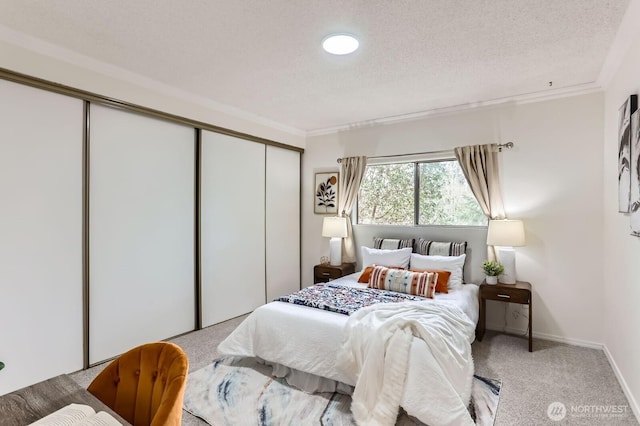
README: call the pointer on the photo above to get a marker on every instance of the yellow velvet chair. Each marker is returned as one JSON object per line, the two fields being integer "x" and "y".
{"x": 145, "y": 385}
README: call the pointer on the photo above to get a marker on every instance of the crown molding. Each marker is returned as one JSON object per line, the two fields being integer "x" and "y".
{"x": 546, "y": 95}
{"x": 628, "y": 31}
{"x": 63, "y": 54}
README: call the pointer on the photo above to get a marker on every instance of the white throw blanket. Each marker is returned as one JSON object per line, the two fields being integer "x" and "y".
{"x": 377, "y": 346}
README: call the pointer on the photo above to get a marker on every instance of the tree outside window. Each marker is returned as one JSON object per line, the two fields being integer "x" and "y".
{"x": 387, "y": 195}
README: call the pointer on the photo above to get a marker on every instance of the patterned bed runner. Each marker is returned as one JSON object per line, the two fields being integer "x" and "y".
{"x": 344, "y": 300}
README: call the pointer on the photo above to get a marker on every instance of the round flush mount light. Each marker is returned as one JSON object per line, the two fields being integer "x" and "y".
{"x": 340, "y": 44}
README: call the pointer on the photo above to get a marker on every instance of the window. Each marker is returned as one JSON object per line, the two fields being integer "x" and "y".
{"x": 389, "y": 193}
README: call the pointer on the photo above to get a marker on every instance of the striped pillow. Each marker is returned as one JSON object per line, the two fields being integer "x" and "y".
{"x": 392, "y": 244}
{"x": 437, "y": 248}
{"x": 403, "y": 281}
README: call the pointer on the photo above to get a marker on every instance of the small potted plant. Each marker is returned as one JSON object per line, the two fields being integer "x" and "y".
{"x": 492, "y": 269}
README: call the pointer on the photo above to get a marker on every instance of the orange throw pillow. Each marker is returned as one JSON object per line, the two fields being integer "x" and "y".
{"x": 443, "y": 279}
{"x": 366, "y": 274}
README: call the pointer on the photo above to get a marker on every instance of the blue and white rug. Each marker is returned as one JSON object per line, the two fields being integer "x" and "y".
{"x": 241, "y": 391}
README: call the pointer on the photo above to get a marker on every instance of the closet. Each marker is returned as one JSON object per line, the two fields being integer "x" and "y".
{"x": 282, "y": 224}
{"x": 121, "y": 225}
{"x": 40, "y": 235}
{"x": 141, "y": 230}
{"x": 232, "y": 194}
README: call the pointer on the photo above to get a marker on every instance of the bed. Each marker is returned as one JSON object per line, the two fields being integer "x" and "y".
{"x": 304, "y": 345}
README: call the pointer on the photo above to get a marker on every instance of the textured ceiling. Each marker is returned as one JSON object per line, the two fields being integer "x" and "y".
{"x": 264, "y": 57}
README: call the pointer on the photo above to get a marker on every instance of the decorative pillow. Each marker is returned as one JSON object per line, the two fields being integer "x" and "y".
{"x": 438, "y": 248}
{"x": 442, "y": 277}
{"x": 398, "y": 258}
{"x": 403, "y": 281}
{"x": 453, "y": 264}
{"x": 442, "y": 280}
{"x": 391, "y": 244}
{"x": 366, "y": 273}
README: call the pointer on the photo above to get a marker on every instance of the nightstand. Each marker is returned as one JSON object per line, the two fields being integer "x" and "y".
{"x": 325, "y": 273}
{"x": 520, "y": 292}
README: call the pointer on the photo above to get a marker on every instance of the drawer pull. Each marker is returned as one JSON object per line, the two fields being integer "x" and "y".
{"x": 504, "y": 296}
{"x": 326, "y": 274}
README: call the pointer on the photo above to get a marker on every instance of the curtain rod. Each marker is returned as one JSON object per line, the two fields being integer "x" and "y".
{"x": 501, "y": 146}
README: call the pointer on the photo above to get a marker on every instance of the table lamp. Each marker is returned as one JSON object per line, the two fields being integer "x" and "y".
{"x": 506, "y": 234}
{"x": 336, "y": 229}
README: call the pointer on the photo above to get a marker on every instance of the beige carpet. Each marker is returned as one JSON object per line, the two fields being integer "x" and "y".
{"x": 553, "y": 372}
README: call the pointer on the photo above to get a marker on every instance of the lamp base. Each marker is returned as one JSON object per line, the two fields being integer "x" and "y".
{"x": 335, "y": 251}
{"x": 507, "y": 256}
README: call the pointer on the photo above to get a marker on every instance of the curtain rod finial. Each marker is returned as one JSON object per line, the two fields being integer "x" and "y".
{"x": 507, "y": 145}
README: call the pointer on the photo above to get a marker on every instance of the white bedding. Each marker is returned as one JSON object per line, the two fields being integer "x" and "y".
{"x": 309, "y": 339}
{"x": 406, "y": 354}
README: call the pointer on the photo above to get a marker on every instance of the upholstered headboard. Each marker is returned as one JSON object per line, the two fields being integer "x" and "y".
{"x": 475, "y": 236}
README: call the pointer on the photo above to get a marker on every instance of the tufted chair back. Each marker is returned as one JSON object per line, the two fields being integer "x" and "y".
{"x": 145, "y": 385}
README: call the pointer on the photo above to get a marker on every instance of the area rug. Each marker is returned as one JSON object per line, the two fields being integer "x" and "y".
{"x": 236, "y": 391}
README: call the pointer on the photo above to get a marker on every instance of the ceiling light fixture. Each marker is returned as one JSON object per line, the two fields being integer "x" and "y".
{"x": 340, "y": 44}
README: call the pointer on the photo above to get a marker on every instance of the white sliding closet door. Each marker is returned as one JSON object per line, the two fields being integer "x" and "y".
{"x": 232, "y": 227}
{"x": 40, "y": 235}
{"x": 141, "y": 231}
{"x": 283, "y": 222}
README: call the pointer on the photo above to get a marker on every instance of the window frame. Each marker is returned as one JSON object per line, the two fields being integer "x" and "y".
{"x": 416, "y": 191}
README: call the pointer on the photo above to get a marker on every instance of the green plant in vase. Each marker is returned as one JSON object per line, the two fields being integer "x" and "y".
{"x": 492, "y": 269}
{"x": 1, "y": 365}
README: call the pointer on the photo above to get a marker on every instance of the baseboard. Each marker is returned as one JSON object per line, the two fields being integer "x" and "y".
{"x": 545, "y": 336}
{"x": 623, "y": 383}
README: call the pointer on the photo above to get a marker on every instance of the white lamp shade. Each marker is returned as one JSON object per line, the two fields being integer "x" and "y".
{"x": 334, "y": 227}
{"x": 505, "y": 233}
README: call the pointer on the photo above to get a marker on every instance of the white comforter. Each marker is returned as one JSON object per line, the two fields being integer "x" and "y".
{"x": 377, "y": 344}
{"x": 308, "y": 340}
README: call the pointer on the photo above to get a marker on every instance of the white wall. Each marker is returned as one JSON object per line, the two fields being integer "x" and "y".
{"x": 621, "y": 287}
{"x": 28, "y": 55}
{"x": 552, "y": 180}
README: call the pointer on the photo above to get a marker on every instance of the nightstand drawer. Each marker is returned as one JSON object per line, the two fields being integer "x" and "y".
{"x": 328, "y": 273}
{"x": 504, "y": 294}
{"x": 325, "y": 273}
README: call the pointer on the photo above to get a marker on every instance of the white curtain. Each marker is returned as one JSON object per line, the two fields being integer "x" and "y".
{"x": 480, "y": 166}
{"x": 351, "y": 173}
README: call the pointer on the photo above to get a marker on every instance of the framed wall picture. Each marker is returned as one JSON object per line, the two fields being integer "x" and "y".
{"x": 624, "y": 152}
{"x": 325, "y": 198}
{"x": 634, "y": 203}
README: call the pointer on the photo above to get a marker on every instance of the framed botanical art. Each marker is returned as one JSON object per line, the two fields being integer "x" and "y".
{"x": 624, "y": 152}
{"x": 325, "y": 198}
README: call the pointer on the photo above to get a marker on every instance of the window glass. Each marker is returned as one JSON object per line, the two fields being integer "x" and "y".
{"x": 445, "y": 196}
{"x": 387, "y": 195}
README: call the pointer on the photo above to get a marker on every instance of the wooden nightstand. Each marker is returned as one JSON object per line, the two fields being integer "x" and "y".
{"x": 326, "y": 273}
{"x": 520, "y": 292}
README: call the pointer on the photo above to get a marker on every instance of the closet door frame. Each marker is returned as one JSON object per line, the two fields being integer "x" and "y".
{"x": 280, "y": 263}
{"x": 229, "y": 220}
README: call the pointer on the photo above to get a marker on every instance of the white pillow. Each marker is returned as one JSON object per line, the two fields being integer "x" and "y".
{"x": 453, "y": 264}
{"x": 396, "y": 258}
